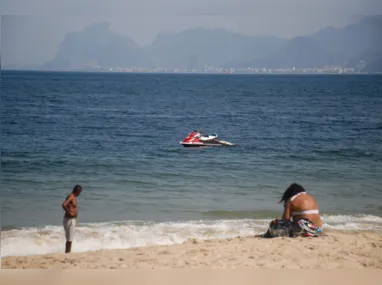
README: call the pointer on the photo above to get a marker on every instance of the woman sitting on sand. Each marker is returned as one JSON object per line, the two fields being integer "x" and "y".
{"x": 302, "y": 209}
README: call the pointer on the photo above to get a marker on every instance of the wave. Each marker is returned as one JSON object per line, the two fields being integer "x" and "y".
{"x": 223, "y": 214}
{"x": 129, "y": 234}
{"x": 353, "y": 223}
{"x": 346, "y": 152}
{"x": 113, "y": 235}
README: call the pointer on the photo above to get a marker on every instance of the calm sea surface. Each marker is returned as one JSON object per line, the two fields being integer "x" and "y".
{"x": 118, "y": 136}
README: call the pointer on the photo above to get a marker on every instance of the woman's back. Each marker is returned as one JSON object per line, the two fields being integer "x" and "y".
{"x": 305, "y": 206}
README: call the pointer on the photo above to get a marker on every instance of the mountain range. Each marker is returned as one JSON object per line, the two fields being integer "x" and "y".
{"x": 349, "y": 46}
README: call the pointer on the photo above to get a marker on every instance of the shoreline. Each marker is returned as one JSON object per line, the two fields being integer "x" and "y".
{"x": 50, "y": 239}
{"x": 190, "y": 72}
{"x": 337, "y": 250}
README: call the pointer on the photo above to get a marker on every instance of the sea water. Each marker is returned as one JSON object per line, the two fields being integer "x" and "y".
{"x": 118, "y": 136}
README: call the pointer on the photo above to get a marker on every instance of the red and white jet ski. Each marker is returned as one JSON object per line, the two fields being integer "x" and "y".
{"x": 200, "y": 139}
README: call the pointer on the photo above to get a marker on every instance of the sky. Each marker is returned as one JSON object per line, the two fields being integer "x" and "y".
{"x": 32, "y": 30}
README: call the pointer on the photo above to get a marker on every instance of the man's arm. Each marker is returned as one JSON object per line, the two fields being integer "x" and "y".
{"x": 67, "y": 202}
{"x": 287, "y": 209}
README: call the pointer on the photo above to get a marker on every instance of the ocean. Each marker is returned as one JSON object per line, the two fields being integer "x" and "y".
{"x": 118, "y": 135}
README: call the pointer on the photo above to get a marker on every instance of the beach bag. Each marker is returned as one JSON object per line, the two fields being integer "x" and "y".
{"x": 307, "y": 229}
{"x": 279, "y": 228}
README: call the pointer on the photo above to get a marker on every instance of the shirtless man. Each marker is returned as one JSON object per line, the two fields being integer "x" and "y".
{"x": 70, "y": 218}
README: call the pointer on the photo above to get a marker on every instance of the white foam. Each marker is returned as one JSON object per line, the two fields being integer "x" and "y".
{"x": 358, "y": 219}
{"x": 114, "y": 235}
{"x": 352, "y": 223}
{"x": 50, "y": 239}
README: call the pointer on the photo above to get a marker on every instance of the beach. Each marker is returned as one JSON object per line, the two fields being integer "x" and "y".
{"x": 337, "y": 250}
{"x": 165, "y": 214}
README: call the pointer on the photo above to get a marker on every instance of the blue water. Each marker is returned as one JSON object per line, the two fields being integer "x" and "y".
{"x": 118, "y": 136}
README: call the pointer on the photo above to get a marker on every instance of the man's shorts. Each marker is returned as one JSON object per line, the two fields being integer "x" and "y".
{"x": 69, "y": 227}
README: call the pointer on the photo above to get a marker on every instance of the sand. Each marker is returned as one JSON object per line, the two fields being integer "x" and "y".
{"x": 191, "y": 276}
{"x": 335, "y": 251}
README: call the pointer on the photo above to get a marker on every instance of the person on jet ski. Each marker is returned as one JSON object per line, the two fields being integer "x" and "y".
{"x": 205, "y": 137}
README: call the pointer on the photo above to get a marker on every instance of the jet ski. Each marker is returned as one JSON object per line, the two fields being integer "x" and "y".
{"x": 200, "y": 139}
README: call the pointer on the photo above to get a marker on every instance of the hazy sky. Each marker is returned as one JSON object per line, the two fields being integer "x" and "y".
{"x": 31, "y": 30}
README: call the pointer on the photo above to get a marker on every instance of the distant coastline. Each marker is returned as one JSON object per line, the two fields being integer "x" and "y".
{"x": 185, "y": 71}
{"x": 354, "y": 49}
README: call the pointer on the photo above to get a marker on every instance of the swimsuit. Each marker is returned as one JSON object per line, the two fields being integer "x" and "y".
{"x": 307, "y": 227}
{"x": 306, "y": 212}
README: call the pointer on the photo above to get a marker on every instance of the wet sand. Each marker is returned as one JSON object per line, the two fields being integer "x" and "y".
{"x": 335, "y": 251}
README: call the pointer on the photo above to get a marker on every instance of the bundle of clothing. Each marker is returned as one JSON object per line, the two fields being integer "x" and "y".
{"x": 285, "y": 228}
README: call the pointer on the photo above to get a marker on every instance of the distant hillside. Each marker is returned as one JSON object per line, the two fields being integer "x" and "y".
{"x": 364, "y": 59}
{"x": 301, "y": 52}
{"x": 195, "y": 48}
{"x": 350, "y": 41}
{"x": 375, "y": 66}
{"x": 97, "y": 45}
{"x": 331, "y": 46}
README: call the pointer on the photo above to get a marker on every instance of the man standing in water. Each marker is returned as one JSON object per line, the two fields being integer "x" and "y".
{"x": 70, "y": 218}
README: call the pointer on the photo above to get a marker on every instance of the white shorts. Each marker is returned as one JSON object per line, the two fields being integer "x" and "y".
{"x": 69, "y": 227}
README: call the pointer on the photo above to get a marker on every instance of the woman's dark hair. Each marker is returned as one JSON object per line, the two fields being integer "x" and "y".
{"x": 292, "y": 190}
